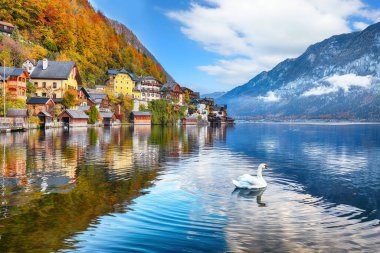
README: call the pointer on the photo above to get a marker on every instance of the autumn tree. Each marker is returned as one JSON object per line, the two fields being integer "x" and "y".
{"x": 70, "y": 99}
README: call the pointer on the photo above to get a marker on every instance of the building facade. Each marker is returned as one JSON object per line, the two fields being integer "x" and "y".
{"x": 53, "y": 78}
{"x": 36, "y": 105}
{"x": 6, "y": 28}
{"x": 15, "y": 81}
{"x": 149, "y": 88}
{"x": 120, "y": 82}
{"x": 173, "y": 92}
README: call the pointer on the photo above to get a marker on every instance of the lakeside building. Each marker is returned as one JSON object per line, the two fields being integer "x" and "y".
{"x": 15, "y": 81}
{"x": 90, "y": 97}
{"x": 73, "y": 118}
{"x": 149, "y": 88}
{"x": 120, "y": 82}
{"x": 35, "y": 105}
{"x": 141, "y": 118}
{"x": 53, "y": 78}
{"x": 172, "y": 91}
{"x": 6, "y": 28}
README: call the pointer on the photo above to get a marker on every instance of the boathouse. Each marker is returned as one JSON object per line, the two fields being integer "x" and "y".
{"x": 141, "y": 118}
{"x": 190, "y": 121}
{"x": 108, "y": 118}
{"x": 46, "y": 119}
{"x": 73, "y": 118}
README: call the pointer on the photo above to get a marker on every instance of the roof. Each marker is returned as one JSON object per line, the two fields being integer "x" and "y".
{"x": 169, "y": 86}
{"x": 56, "y": 70}
{"x": 6, "y": 23}
{"x": 11, "y": 71}
{"x": 106, "y": 114}
{"x": 122, "y": 71}
{"x": 16, "y": 112}
{"x": 76, "y": 114}
{"x": 136, "y": 113}
{"x": 34, "y": 62}
{"x": 57, "y": 100}
{"x": 45, "y": 113}
{"x": 191, "y": 118}
{"x": 98, "y": 95}
{"x": 83, "y": 107}
{"x": 37, "y": 100}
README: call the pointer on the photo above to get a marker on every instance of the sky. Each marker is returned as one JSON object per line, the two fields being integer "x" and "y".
{"x": 216, "y": 45}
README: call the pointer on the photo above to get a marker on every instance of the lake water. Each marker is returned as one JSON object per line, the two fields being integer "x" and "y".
{"x": 153, "y": 189}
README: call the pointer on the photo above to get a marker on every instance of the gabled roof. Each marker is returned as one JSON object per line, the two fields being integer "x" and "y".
{"x": 83, "y": 108}
{"x": 122, "y": 71}
{"x": 136, "y": 113}
{"x": 76, "y": 114}
{"x": 106, "y": 115}
{"x": 17, "y": 113}
{"x": 38, "y": 100}
{"x": 11, "y": 72}
{"x": 45, "y": 113}
{"x": 6, "y": 23}
{"x": 169, "y": 86}
{"x": 56, "y": 70}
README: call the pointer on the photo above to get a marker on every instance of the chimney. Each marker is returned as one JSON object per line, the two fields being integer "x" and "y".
{"x": 45, "y": 63}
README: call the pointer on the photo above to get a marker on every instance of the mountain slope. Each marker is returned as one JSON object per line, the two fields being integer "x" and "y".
{"x": 337, "y": 78}
{"x": 72, "y": 30}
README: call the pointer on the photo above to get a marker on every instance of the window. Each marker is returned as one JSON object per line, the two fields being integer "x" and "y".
{"x": 36, "y": 84}
{"x": 54, "y": 95}
{"x": 54, "y": 85}
{"x": 44, "y": 94}
{"x": 44, "y": 85}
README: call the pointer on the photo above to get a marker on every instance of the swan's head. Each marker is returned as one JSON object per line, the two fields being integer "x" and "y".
{"x": 263, "y": 166}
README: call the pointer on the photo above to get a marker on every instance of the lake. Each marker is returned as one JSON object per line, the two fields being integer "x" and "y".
{"x": 154, "y": 189}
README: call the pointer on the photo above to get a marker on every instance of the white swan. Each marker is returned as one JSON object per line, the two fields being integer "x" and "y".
{"x": 251, "y": 182}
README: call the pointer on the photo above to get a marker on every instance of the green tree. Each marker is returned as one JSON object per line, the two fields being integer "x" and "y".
{"x": 93, "y": 115}
{"x": 30, "y": 89}
{"x": 187, "y": 97}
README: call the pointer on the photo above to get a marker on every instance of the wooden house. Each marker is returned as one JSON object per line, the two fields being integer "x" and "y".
{"x": 15, "y": 81}
{"x": 173, "y": 92}
{"x": 6, "y": 28}
{"x": 53, "y": 78}
{"x": 141, "y": 118}
{"x": 108, "y": 118}
{"x": 46, "y": 119}
{"x": 38, "y": 104}
{"x": 73, "y": 118}
{"x": 190, "y": 121}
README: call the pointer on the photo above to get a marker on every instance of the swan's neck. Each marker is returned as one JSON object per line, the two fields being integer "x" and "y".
{"x": 260, "y": 173}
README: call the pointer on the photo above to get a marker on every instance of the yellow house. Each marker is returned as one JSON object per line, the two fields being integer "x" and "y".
{"x": 53, "y": 78}
{"x": 121, "y": 82}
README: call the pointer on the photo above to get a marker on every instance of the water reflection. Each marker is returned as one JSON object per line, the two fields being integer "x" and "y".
{"x": 160, "y": 189}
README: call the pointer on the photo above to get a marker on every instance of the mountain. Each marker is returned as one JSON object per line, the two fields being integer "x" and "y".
{"x": 338, "y": 78}
{"x": 73, "y": 30}
{"x": 213, "y": 95}
{"x": 135, "y": 42}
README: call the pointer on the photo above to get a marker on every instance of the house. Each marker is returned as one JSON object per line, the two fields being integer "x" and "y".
{"x": 192, "y": 94}
{"x": 141, "y": 118}
{"x": 19, "y": 116}
{"x": 15, "y": 81}
{"x": 6, "y": 28}
{"x": 149, "y": 88}
{"x": 108, "y": 118}
{"x": 172, "y": 91}
{"x": 38, "y": 104}
{"x": 120, "y": 82}
{"x": 29, "y": 65}
{"x": 190, "y": 121}
{"x": 73, "y": 118}
{"x": 53, "y": 78}
{"x": 90, "y": 97}
{"x": 46, "y": 119}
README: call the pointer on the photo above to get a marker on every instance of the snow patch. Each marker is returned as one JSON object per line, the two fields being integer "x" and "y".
{"x": 270, "y": 97}
{"x": 344, "y": 82}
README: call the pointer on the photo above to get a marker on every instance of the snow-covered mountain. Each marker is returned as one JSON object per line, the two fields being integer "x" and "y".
{"x": 338, "y": 78}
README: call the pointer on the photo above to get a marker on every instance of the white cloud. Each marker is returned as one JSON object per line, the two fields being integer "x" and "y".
{"x": 344, "y": 82}
{"x": 360, "y": 25}
{"x": 255, "y": 35}
{"x": 270, "y": 97}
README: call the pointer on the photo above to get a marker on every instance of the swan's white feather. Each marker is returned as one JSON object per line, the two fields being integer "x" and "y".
{"x": 250, "y": 182}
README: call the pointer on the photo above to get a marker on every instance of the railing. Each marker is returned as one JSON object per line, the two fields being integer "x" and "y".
{"x": 12, "y": 123}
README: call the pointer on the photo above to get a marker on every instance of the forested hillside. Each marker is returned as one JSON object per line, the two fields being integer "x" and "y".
{"x": 70, "y": 30}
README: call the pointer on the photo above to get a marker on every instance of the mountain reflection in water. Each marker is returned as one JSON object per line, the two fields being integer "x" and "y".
{"x": 143, "y": 188}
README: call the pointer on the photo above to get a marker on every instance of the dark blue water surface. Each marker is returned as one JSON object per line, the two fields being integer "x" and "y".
{"x": 154, "y": 189}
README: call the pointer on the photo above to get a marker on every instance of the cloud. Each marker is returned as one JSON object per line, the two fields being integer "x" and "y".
{"x": 360, "y": 25}
{"x": 255, "y": 35}
{"x": 344, "y": 82}
{"x": 270, "y": 97}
